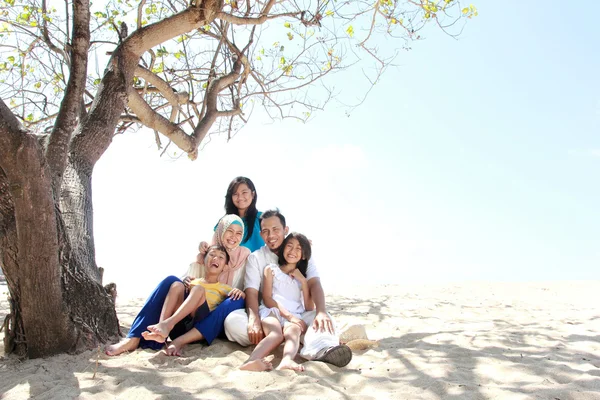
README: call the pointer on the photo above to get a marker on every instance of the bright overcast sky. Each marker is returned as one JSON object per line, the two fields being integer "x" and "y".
{"x": 475, "y": 159}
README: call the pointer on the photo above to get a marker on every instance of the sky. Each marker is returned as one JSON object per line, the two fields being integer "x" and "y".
{"x": 474, "y": 159}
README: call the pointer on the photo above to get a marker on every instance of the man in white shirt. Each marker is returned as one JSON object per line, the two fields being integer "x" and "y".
{"x": 321, "y": 343}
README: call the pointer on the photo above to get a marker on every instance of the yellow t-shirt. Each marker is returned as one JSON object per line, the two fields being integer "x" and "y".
{"x": 215, "y": 292}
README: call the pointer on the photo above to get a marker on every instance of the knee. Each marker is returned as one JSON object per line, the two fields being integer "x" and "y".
{"x": 277, "y": 335}
{"x": 237, "y": 304}
{"x": 292, "y": 332}
{"x": 197, "y": 289}
{"x": 177, "y": 287}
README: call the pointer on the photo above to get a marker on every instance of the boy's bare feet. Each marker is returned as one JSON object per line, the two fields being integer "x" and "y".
{"x": 262, "y": 364}
{"x": 290, "y": 364}
{"x": 124, "y": 345}
{"x": 154, "y": 336}
{"x": 160, "y": 329}
{"x": 174, "y": 348}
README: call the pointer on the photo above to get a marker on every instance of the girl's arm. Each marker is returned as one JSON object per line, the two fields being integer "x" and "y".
{"x": 268, "y": 294}
{"x": 309, "y": 304}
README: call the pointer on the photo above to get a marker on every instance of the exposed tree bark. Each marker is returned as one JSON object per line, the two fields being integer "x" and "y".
{"x": 46, "y": 242}
{"x": 66, "y": 121}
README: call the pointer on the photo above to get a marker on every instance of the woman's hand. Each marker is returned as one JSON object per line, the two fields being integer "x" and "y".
{"x": 203, "y": 247}
{"x": 297, "y": 275}
{"x": 299, "y": 322}
{"x": 237, "y": 294}
{"x": 186, "y": 282}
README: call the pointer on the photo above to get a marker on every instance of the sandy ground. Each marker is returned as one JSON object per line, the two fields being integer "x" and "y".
{"x": 465, "y": 341}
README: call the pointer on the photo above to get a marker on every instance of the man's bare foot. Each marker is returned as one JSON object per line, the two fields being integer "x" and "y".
{"x": 174, "y": 348}
{"x": 290, "y": 364}
{"x": 262, "y": 364}
{"x": 124, "y": 345}
{"x": 153, "y": 336}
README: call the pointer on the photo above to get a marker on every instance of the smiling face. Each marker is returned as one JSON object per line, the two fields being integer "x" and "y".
{"x": 242, "y": 198}
{"x": 215, "y": 261}
{"x": 292, "y": 252}
{"x": 232, "y": 236}
{"x": 273, "y": 232}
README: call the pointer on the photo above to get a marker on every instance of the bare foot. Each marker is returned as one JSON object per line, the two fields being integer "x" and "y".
{"x": 124, "y": 345}
{"x": 160, "y": 329}
{"x": 174, "y": 349}
{"x": 154, "y": 336}
{"x": 290, "y": 364}
{"x": 262, "y": 364}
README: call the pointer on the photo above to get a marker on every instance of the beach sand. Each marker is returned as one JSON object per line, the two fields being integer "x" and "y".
{"x": 455, "y": 341}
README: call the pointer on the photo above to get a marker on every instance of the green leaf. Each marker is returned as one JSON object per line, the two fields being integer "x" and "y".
{"x": 97, "y": 81}
{"x": 38, "y": 85}
{"x": 350, "y": 31}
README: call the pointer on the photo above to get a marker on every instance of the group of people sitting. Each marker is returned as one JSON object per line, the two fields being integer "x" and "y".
{"x": 255, "y": 283}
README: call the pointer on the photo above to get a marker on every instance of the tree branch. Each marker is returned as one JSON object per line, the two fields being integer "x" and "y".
{"x": 11, "y": 133}
{"x": 212, "y": 91}
{"x": 66, "y": 121}
{"x": 154, "y": 120}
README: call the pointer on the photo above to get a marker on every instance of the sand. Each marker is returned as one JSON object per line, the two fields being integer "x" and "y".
{"x": 455, "y": 341}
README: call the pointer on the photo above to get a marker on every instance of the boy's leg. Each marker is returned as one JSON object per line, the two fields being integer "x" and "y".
{"x": 213, "y": 324}
{"x": 149, "y": 314}
{"x": 174, "y": 348}
{"x": 323, "y": 346}
{"x": 291, "y": 333}
{"x": 273, "y": 338}
{"x": 173, "y": 300}
{"x": 161, "y": 330}
{"x": 236, "y": 327}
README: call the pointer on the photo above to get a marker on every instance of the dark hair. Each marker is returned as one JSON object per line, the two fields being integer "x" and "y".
{"x": 230, "y": 208}
{"x": 217, "y": 247}
{"x": 306, "y": 251}
{"x": 273, "y": 213}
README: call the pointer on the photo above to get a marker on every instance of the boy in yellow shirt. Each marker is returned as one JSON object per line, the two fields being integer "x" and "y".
{"x": 205, "y": 295}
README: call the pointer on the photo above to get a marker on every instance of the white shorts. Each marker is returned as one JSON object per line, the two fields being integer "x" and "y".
{"x": 264, "y": 312}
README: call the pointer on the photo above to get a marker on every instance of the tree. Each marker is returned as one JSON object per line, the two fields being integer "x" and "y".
{"x": 186, "y": 71}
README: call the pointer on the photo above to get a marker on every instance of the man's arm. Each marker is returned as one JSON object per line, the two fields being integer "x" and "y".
{"x": 252, "y": 285}
{"x": 322, "y": 321}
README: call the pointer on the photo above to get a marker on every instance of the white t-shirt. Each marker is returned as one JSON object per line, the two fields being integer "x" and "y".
{"x": 258, "y": 260}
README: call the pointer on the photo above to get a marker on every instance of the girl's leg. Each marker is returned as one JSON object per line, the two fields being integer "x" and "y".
{"x": 161, "y": 330}
{"x": 149, "y": 314}
{"x": 273, "y": 338}
{"x": 291, "y": 333}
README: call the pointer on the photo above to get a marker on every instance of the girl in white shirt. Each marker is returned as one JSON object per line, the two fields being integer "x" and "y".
{"x": 285, "y": 297}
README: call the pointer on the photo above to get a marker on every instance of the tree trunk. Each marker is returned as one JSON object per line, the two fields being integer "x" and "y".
{"x": 56, "y": 306}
